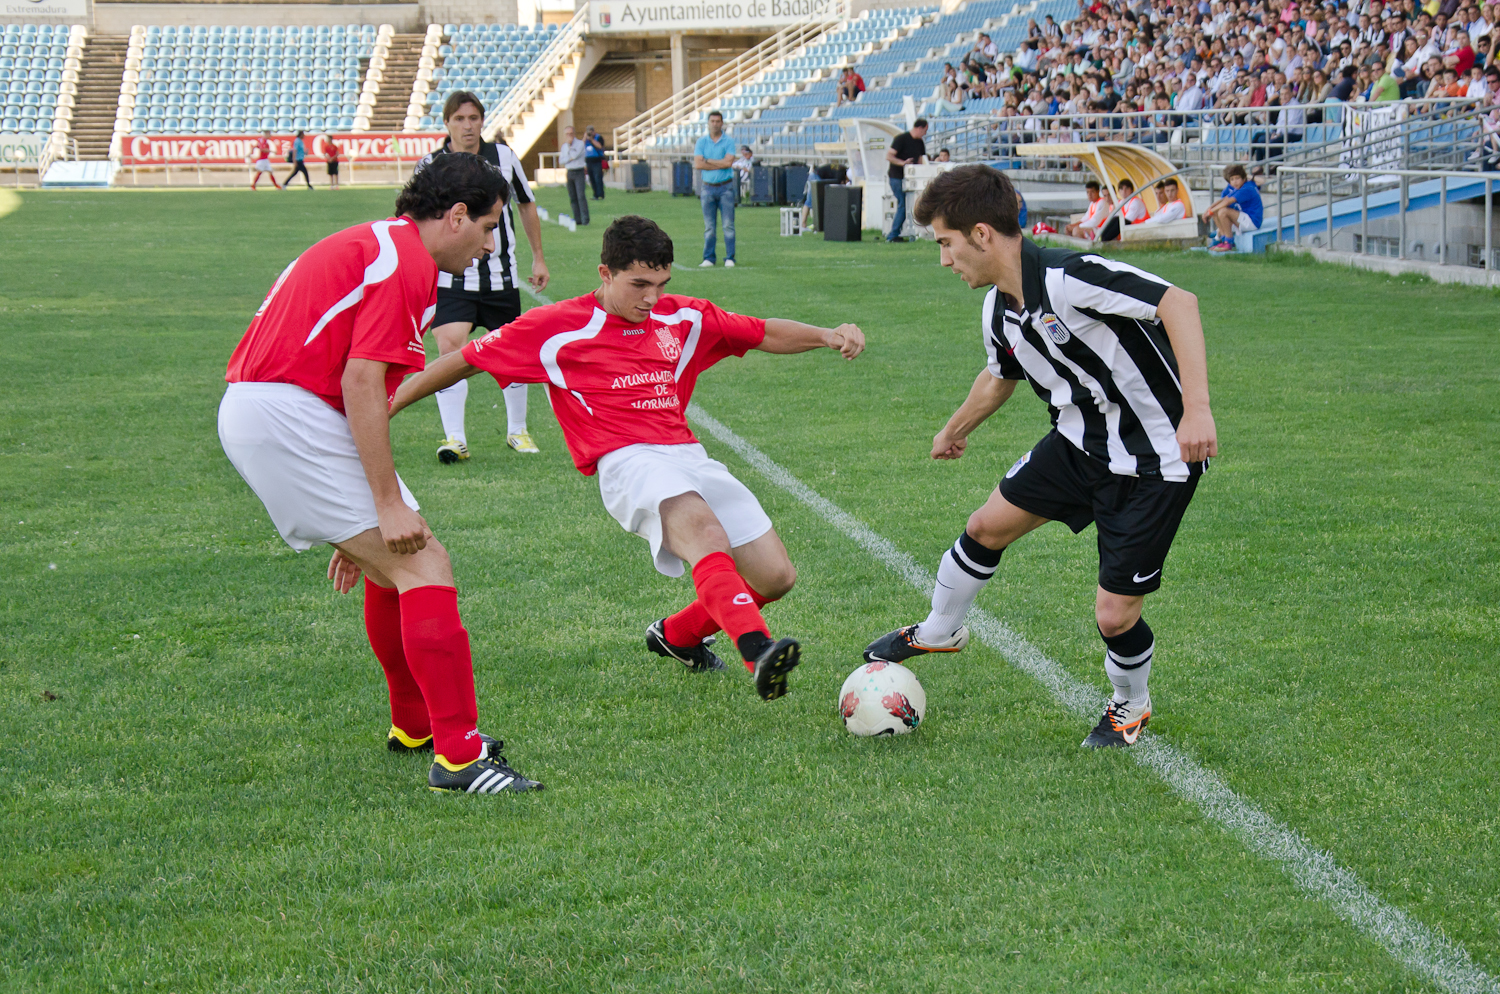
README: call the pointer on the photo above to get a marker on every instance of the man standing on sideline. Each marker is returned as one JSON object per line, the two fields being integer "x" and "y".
{"x": 263, "y": 160}
{"x": 1117, "y": 355}
{"x": 305, "y": 420}
{"x": 907, "y": 149}
{"x": 593, "y": 160}
{"x": 621, "y": 364}
{"x": 714, "y": 157}
{"x": 573, "y": 156}
{"x": 488, "y": 295}
{"x": 331, "y": 156}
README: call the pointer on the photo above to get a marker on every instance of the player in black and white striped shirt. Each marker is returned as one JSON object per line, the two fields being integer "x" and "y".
{"x": 1117, "y": 354}
{"x": 488, "y": 295}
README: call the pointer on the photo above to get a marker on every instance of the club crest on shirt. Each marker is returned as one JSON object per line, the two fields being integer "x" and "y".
{"x": 667, "y": 342}
{"x": 1054, "y": 328}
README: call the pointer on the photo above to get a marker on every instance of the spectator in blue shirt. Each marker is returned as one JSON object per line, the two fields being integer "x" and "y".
{"x": 714, "y": 155}
{"x": 1237, "y": 211}
{"x": 299, "y": 159}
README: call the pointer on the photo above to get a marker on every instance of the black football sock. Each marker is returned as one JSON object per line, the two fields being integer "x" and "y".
{"x": 752, "y": 644}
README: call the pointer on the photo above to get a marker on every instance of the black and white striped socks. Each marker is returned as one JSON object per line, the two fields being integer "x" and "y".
{"x": 962, "y": 574}
{"x": 1128, "y": 661}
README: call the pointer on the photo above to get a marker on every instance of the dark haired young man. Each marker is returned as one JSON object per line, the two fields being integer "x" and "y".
{"x": 1117, "y": 355}
{"x": 305, "y": 422}
{"x": 488, "y": 293}
{"x": 620, "y": 366}
{"x": 1238, "y": 209}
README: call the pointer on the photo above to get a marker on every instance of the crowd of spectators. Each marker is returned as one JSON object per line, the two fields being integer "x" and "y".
{"x": 1155, "y": 57}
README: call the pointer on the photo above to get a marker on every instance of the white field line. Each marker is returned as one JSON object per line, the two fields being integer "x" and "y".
{"x": 1423, "y": 950}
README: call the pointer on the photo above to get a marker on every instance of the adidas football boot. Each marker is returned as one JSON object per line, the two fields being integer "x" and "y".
{"x": 903, "y": 644}
{"x": 521, "y": 442}
{"x": 698, "y": 658}
{"x": 489, "y": 774}
{"x": 1121, "y": 725}
{"x": 772, "y": 666}
{"x": 452, "y": 451}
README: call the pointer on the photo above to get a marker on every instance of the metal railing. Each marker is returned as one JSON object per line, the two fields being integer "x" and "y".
{"x": 1410, "y": 133}
{"x": 636, "y": 135}
{"x": 1380, "y": 193}
{"x": 538, "y": 77}
{"x": 1416, "y": 133}
{"x": 49, "y": 156}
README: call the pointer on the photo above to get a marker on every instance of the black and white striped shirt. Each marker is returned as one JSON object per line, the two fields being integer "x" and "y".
{"x": 1088, "y": 339}
{"x": 498, "y": 270}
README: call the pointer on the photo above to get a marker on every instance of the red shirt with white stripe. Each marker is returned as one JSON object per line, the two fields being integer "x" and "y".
{"x": 367, "y": 292}
{"x": 613, "y": 382}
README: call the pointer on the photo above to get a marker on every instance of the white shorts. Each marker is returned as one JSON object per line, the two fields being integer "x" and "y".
{"x": 1242, "y": 223}
{"x": 262, "y": 165}
{"x": 635, "y": 480}
{"x": 298, "y": 455}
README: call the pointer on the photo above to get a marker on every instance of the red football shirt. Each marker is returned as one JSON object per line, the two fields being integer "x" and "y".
{"x": 613, "y": 382}
{"x": 367, "y": 292}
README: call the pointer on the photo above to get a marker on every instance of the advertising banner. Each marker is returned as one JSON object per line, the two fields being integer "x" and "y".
{"x": 625, "y": 17}
{"x": 49, "y": 10}
{"x": 230, "y": 150}
{"x": 22, "y": 150}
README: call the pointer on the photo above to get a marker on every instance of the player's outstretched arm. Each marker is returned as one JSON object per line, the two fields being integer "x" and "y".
{"x": 985, "y": 398}
{"x": 1196, "y": 434}
{"x": 402, "y": 529}
{"x": 442, "y": 374}
{"x": 785, "y": 337}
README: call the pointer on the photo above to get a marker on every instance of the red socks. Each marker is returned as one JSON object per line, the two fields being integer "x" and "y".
{"x": 437, "y": 651}
{"x": 726, "y": 598}
{"x": 383, "y": 626}
{"x": 693, "y": 623}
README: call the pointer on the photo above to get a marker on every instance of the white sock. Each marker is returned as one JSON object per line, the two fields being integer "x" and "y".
{"x": 962, "y": 574}
{"x": 451, "y": 402}
{"x": 515, "y": 408}
{"x": 1130, "y": 673}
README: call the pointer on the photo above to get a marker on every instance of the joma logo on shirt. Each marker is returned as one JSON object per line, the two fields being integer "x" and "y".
{"x": 668, "y": 344}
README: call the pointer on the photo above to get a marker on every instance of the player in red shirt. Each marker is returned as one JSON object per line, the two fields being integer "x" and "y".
{"x": 620, "y": 365}
{"x": 263, "y": 160}
{"x": 305, "y": 421}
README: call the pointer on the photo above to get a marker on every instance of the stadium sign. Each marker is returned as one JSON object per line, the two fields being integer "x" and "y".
{"x": 45, "y": 8}
{"x": 627, "y": 18}
{"x": 24, "y": 151}
{"x": 232, "y": 150}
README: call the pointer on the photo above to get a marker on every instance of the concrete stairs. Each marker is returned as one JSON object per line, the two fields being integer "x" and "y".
{"x": 98, "y": 97}
{"x": 395, "y": 87}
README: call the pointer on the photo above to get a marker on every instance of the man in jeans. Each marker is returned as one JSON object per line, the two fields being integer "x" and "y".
{"x": 714, "y": 155}
{"x": 571, "y": 157}
{"x": 907, "y": 149}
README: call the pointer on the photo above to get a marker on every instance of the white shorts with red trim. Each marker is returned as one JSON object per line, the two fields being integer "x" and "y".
{"x": 298, "y": 455}
{"x": 262, "y": 165}
{"x": 635, "y": 480}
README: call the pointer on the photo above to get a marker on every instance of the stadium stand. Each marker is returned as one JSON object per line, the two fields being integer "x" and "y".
{"x": 221, "y": 80}
{"x": 39, "y": 71}
{"x": 485, "y": 58}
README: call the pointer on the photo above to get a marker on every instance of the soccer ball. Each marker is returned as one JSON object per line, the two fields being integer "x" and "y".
{"x": 882, "y": 699}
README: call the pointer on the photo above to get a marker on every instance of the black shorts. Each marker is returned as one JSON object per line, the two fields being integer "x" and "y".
{"x": 489, "y": 311}
{"x": 1136, "y": 516}
{"x": 333, "y": 169}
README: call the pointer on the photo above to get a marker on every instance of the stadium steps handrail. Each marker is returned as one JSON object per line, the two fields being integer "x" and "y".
{"x": 521, "y": 112}
{"x": 634, "y": 136}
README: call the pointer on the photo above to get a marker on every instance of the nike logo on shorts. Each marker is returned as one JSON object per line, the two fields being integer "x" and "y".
{"x": 1142, "y": 579}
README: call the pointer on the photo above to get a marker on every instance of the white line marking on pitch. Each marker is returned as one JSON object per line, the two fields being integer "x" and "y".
{"x": 1423, "y": 950}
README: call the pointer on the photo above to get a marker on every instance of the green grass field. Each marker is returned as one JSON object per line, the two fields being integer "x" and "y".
{"x": 196, "y": 796}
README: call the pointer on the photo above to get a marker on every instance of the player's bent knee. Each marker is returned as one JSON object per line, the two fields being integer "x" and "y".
{"x": 1116, "y": 613}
